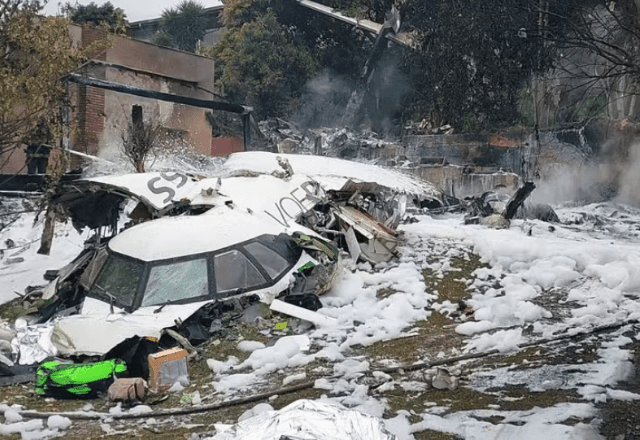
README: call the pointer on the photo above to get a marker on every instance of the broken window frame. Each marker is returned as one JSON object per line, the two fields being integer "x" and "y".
{"x": 283, "y": 245}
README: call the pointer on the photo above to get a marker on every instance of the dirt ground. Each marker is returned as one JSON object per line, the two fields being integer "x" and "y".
{"x": 431, "y": 340}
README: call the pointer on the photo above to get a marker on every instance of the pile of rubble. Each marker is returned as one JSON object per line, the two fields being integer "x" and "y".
{"x": 332, "y": 142}
{"x": 173, "y": 255}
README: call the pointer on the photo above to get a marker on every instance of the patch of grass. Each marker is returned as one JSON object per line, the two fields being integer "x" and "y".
{"x": 460, "y": 399}
{"x": 222, "y": 348}
{"x": 449, "y": 287}
{"x": 429, "y": 434}
{"x": 436, "y": 322}
{"x": 431, "y": 339}
{"x": 528, "y": 399}
{"x": 14, "y": 309}
{"x": 228, "y": 415}
{"x": 494, "y": 420}
{"x": 432, "y": 335}
{"x": 385, "y": 292}
{"x": 285, "y": 399}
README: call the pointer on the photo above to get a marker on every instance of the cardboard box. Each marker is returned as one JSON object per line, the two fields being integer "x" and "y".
{"x": 166, "y": 368}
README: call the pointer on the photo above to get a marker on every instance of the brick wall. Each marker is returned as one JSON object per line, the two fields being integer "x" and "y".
{"x": 91, "y": 101}
{"x": 90, "y": 118}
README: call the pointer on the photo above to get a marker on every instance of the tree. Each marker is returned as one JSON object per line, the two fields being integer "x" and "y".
{"x": 599, "y": 68}
{"x": 140, "y": 140}
{"x": 37, "y": 53}
{"x": 270, "y": 50}
{"x": 105, "y": 15}
{"x": 263, "y": 62}
{"x": 472, "y": 60}
{"x": 185, "y": 24}
{"x": 162, "y": 38}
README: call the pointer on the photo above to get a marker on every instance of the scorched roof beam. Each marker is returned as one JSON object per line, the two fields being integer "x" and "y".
{"x": 243, "y": 110}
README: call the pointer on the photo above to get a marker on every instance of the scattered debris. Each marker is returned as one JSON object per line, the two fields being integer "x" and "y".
{"x": 194, "y": 249}
{"x": 496, "y": 209}
{"x": 127, "y": 389}
{"x": 444, "y": 381}
{"x": 166, "y": 368}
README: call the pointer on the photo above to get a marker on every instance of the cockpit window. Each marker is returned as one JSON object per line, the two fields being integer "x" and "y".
{"x": 235, "y": 272}
{"x": 176, "y": 281}
{"x": 271, "y": 261}
{"x": 118, "y": 281}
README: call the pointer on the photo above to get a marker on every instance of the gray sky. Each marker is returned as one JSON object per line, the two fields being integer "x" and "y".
{"x": 134, "y": 9}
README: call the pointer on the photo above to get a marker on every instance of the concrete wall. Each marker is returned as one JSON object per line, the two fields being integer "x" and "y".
{"x": 455, "y": 181}
{"x": 481, "y": 150}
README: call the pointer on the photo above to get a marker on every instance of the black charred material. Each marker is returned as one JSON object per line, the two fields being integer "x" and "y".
{"x": 135, "y": 352}
{"x": 309, "y": 301}
{"x": 518, "y": 199}
{"x": 96, "y": 210}
{"x": 353, "y": 114}
{"x": 542, "y": 212}
{"x": 145, "y": 93}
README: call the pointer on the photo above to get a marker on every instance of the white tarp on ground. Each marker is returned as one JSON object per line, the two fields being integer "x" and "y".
{"x": 308, "y": 420}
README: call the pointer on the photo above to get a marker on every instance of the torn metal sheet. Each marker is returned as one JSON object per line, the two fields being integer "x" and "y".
{"x": 66, "y": 271}
{"x": 159, "y": 192}
{"x": 33, "y": 342}
{"x": 379, "y": 242}
{"x": 97, "y": 202}
{"x": 306, "y": 420}
{"x": 352, "y": 243}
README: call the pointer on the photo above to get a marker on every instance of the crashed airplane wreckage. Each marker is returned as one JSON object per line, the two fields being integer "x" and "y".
{"x": 192, "y": 248}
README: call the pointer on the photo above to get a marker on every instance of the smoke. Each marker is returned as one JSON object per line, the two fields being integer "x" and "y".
{"x": 323, "y": 101}
{"x": 611, "y": 174}
{"x": 325, "y": 98}
{"x": 569, "y": 183}
{"x": 629, "y": 180}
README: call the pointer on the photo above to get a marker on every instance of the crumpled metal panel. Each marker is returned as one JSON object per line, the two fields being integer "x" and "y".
{"x": 33, "y": 342}
{"x": 309, "y": 420}
{"x": 365, "y": 224}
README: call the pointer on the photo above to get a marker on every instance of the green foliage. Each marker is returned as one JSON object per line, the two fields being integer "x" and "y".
{"x": 272, "y": 48}
{"x": 185, "y": 24}
{"x": 592, "y": 107}
{"x": 162, "y": 38}
{"x": 262, "y": 62}
{"x": 105, "y": 15}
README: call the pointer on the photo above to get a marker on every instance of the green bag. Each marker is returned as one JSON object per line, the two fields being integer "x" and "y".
{"x": 72, "y": 381}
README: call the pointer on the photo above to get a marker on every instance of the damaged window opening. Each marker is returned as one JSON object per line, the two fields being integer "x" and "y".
{"x": 118, "y": 281}
{"x": 176, "y": 282}
{"x": 235, "y": 272}
{"x": 273, "y": 263}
